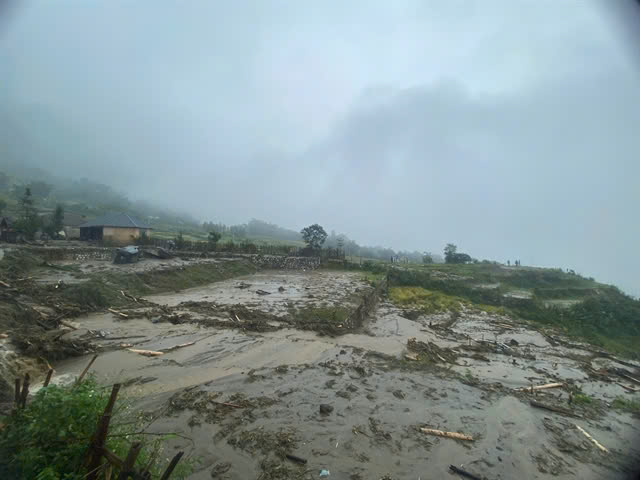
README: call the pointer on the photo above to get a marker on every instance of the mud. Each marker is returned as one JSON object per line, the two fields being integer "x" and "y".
{"x": 245, "y": 386}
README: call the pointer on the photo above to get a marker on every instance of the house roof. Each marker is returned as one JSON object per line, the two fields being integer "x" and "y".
{"x": 73, "y": 219}
{"x": 122, "y": 220}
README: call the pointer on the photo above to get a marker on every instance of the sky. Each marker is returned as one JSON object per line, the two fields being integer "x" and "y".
{"x": 508, "y": 127}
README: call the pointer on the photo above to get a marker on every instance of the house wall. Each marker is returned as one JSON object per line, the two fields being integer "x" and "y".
{"x": 119, "y": 235}
{"x": 72, "y": 232}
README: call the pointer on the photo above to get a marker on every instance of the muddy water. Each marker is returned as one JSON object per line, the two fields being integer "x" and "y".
{"x": 377, "y": 407}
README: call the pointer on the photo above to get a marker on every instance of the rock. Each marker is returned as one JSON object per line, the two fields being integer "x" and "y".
{"x": 281, "y": 289}
{"x": 513, "y": 342}
{"x": 325, "y": 409}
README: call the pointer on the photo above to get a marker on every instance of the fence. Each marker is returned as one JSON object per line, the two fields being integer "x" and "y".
{"x": 97, "y": 449}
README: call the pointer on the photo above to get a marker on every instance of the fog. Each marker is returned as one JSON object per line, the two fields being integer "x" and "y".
{"x": 506, "y": 127}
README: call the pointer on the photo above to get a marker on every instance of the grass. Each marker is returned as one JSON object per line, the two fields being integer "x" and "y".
{"x": 48, "y": 439}
{"x": 433, "y": 301}
{"x": 627, "y": 405}
{"x": 582, "y": 399}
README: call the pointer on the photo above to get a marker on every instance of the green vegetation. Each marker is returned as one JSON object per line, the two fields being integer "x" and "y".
{"x": 49, "y": 439}
{"x": 605, "y": 317}
{"x": 29, "y": 222}
{"x": 627, "y": 405}
{"x": 582, "y": 399}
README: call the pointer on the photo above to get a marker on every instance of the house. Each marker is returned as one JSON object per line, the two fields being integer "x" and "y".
{"x": 113, "y": 228}
{"x": 7, "y": 231}
{"x": 71, "y": 224}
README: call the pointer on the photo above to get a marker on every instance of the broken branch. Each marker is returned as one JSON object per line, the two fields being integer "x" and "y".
{"x": 464, "y": 473}
{"x": 551, "y": 408}
{"x": 123, "y": 315}
{"x": 541, "y": 387}
{"x": 175, "y": 347}
{"x": 441, "y": 433}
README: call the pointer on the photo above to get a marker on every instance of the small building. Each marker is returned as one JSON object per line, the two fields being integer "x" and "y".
{"x": 113, "y": 229}
{"x": 71, "y": 224}
{"x": 8, "y": 233}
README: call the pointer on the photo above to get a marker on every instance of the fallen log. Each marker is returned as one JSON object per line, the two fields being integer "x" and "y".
{"x": 630, "y": 378}
{"x": 441, "y": 433}
{"x": 551, "y": 408}
{"x": 263, "y": 292}
{"x": 227, "y": 404}
{"x": 146, "y": 353}
{"x": 123, "y": 315}
{"x": 175, "y": 347}
{"x": 541, "y": 387}
{"x": 464, "y": 473}
{"x": 4, "y": 284}
{"x": 67, "y": 324}
{"x": 595, "y": 442}
{"x": 4, "y": 335}
{"x": 630, "y": 389}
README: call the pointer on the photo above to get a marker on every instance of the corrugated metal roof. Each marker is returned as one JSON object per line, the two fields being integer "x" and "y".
{"x": 115, "y": 220}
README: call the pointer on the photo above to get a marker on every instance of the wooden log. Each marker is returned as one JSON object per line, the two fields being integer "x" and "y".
{"x": 295, "y": 458}
{"x": 146, "y": 353}
{"x": 630, "y": 389}
{"x": 48, "y": 379}
{"x": 441, "y": 433}
{"x": 112, "y": 458}
{"x": 551, "y": 408}
{"x": 595, "y": 442}
{"x": 541, "y": 387}
{"x": 227, "y": 404}
{"x": 127, "y": 467}
{"x": 4, "y": 335}
{"x": 25, "y": 391}
{"x": 97, "y": 442}
{"x": 86, "y": 369}
{"x": 464, "y": 473}
{"x": 4, "y": 284}
{"x": 175, "y": 347}
{"x": 630, "y": 378}
{"x": 123, "y": 315}
{"x": 68, "y": 325}
{"x": 172, "y": 465}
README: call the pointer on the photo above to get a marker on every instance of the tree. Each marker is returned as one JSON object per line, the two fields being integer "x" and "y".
{"x": 314, "y": 235}
{"x": 179, "y": 241}
{"x": 40, "y": 189}
{"x": 450, "y": 252}
{"x": 427, "y": 258}
{"x": 28, "y": 222}
{"x": 213, "y": 239}
{"x": 3, "y": 205}
{"x": 4, "y": 181}
{"x": 57, "y": 222}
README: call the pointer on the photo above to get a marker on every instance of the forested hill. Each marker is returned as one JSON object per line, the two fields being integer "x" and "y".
{"x": 90, "y": 198}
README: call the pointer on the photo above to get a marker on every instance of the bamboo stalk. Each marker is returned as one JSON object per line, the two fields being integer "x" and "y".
{"x": 595, "y": 442}
{"x": 541, "y": 387}
{"x": 48, "y": 379}
{"x": 146, "y": 353}
{"x": 86, "y": 369}
{"x": 441, "y": 433}
{"x": 174, "y": 461}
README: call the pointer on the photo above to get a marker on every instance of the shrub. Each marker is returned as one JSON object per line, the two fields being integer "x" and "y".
{"x": 49, "y": 439}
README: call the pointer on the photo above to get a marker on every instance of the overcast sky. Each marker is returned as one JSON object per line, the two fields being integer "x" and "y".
{"x": 508, "y": 127}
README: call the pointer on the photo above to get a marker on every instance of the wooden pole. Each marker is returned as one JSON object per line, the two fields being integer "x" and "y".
{"x": 48, "y": 379}
{"x": 174, "y": 461}
{"x": 86, "y": 369}
{"x": 25, "y": 390}
{"x": 127, "y": 467}
{"x": 97, "y": 443}
{"x": 440, "y": 433}
{"x": 16, "y": 398}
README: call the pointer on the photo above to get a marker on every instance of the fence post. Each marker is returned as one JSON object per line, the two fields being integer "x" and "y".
{"x": 97, "y": 443}
{"x": 127, "y": 466}
{"x": 25, "y": 391}
{"x": 174, "y": 461}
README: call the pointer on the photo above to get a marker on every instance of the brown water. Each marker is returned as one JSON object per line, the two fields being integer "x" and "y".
{"x": 378, "y": 407}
